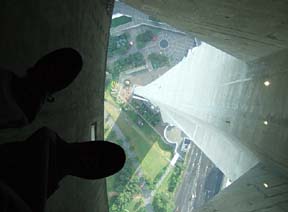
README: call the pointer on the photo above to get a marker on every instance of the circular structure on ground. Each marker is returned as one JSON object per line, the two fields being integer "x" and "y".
{"x": 174, "y": 134}
{"x": 164, "y": 44}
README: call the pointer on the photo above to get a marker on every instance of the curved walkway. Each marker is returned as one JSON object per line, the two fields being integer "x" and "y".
{"x": 176, "y": 153}
{"x": 168, "y": 140}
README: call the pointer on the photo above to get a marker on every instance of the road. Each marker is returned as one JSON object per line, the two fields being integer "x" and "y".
{"x": 191, "y": 193}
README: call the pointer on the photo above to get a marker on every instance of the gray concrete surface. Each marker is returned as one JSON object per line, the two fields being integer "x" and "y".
{"x": 222, "y": 103}
{"x": 259, "y": 190}
{"x": 187, "y": 97}
{"x": 242, "y": 108}
{"x": 245, "y": 29}
{"x": 30, "y": 29}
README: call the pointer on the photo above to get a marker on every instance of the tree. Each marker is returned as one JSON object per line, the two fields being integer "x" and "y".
{"x": 118, "y": 45}
{"x": 174, "y": 179}
{"x": 162, "y": 203}
{"x": 139, "y": 204}
{"x": 150, "y": 184}
{"x": 142, "y": 209}
{"x": 122, "y": 64}
{"x": 143, "y": 38}
{"x": 158, "y": 60}
{"x": 133, "y": 186}
{"x": 120, "y": 203}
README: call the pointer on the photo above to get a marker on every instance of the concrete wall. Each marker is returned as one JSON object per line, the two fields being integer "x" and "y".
{"x": 258, "y": 190}
{"x": 191, "y": 96}
{"x": 30, "y": 29}
{"x": 245, "y": 29}
{"x": 260, "y": 103}
{"x": 256, "y": 32}
{"x": 253, "y": 31}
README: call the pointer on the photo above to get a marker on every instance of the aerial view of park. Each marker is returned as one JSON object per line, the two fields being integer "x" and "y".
{"x": 164, "y": 171}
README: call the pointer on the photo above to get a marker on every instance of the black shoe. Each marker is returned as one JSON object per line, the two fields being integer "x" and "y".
{"x": 56, "y": 70}
{"x": 93, "y": 160}
{"x": 52, "y": 73}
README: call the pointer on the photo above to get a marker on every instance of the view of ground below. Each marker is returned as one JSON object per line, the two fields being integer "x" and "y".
{"x": 164, "y": 170}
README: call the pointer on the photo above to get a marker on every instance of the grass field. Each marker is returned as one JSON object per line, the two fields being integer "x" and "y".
{"x": 146, "y": 146}
{"x": 120, "y": 21}
{"x": 154, "y": 161}
{"x": 151, "y": 152}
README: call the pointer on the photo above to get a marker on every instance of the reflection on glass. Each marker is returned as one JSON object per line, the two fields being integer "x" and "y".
{"x": 164, "y": 169}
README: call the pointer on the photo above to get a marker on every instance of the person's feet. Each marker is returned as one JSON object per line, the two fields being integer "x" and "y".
{"x": 51, "y": 73}
{"x": 93, "y": 160}
{"x": 57, "y": 69}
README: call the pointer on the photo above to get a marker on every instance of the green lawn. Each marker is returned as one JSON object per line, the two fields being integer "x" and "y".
{"x": 151, "y": 152}
{"x": 152, "y": 163}
{"x": 120, "y": 21}
{"x": 145, "y": 145}
{"x": 140, "y": 143}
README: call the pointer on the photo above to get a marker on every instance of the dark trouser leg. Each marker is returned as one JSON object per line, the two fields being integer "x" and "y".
{"x": 30, "y": 167}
